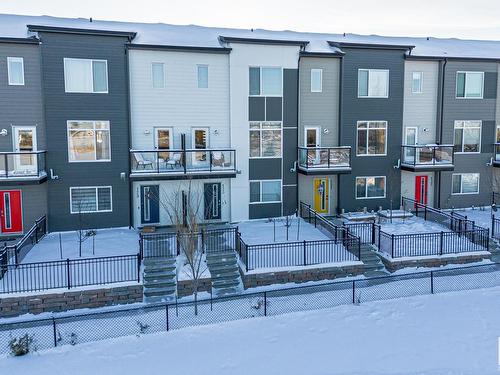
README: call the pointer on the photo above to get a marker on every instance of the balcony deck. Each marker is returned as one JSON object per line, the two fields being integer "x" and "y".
{"x": 22, "y": 168}
{"x": 182, "y": 164}
{"x": 324, "y": 160}
{"x": 427, "y": 158}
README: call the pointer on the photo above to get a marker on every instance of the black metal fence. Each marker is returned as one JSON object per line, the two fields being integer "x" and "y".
{"x": 495, "y": 227}
{"x": 74, "y": 329}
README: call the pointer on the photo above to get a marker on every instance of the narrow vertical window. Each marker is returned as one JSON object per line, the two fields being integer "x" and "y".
{"x": 316, "y": 80}
{"x": 158, "y": 74}
{"x": 203, "y": 76}
{"x": 15, "y": 67}
{"x": 416, "y": 82}
{"x": 254, "y": 81}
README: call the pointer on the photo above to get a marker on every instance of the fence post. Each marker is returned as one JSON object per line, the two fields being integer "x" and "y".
{"x": 68, "y": 273}
{"x": 441, "y": 243}
{"x": 15, "y": 254}
{"x": 354, "y": 291}
{"x": 202, "y": 240}
{"x": 265, "y": 303}
{"x": 305, "y": 257}
{"x": 36, "y": 233}
{"x": 177, "y": 243}
{"x": 246, "y": 257}
{"x": 167, "y": 316}
{"x": 373, "y": 233}
{"x": 139, "y": 267}
{"x": 392, "y": 245}
{"x": 425, "y": 213}
{"x": 54, "y": 330}
{"x": 432, "y": 282}
{"x": 493, "y": 226}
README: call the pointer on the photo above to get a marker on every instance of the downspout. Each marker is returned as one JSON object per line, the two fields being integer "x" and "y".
{"x": 299, "y": 128}
{"x": 341, "y": 64}
{"x": 129, "y": 119}
{"x": 441, "y": 120}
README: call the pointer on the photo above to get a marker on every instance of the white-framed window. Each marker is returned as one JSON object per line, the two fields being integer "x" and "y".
{"x": 370, "y": 187}
{"x": 470, "y": 85}
{"x": 158, "y": 75}
{"x": 90, "y": 199}
{"x": 265, "y": 191}
{"x": 372, "y": 138}
{"x": 316, "y": 80}
{"x": 373, "y": 83}
{"x": 417, "y": 82}
{"x": 265, "y": 139}
{"x": 468, "y": 136}
{"x": 85, "y": 75}
{"x": 265, "y": 81}
{"x": 464, "y": 183}
{"x": 89, "y": 141}
{"x": 15, "y": 71}
{"x": 203, "y": 76}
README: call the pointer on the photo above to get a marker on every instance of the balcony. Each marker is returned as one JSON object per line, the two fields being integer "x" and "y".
{"x": 25, "y": 167}
{"x": 324, "y": 160}
{"x": 181, "y": 164}
{"x": 496, "y": 155}
{"x": 427, "y": 158}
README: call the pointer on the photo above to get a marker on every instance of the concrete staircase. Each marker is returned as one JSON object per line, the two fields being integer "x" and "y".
{"x": 373, "y": 265}
{"x": 159, "y": 279}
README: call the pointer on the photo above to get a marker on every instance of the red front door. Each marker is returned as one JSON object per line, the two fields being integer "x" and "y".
{"x": 11, "y": 212}
{"x": 421, "y": 189}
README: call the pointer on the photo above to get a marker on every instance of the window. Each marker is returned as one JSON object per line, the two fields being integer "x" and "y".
{"x": 265, "y": 191}
{"x": 85, "y": 75}
{"x": 370, "y": 187}
{"x": 158, "y": 75}
{"x": 316, "y": 80}
{"x": 203, "y": 76}
{"x": 417, "y": 82}
{"x": 470, "y": 85}
{"x": 373, "y": 83}
{"x": 372, "y": 136}
{"x": 265, "y": 139}
{"x": 467, "y": 136}
{"x": 15, "y": 68}
{"x": 90, "y": 199}
{"x": 465, "y": 183}
{"x": 265, "y": 81}
{"x": 89, "y": 141}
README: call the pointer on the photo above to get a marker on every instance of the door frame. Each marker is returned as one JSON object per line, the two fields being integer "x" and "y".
{"x": 219, "y": 200}
{"x": 426, "y": 193}
{"x": 197, "y": 157}
{"x": 18, "y": 165}
{"x": 22, "y": 210}
{"x": 155, "y": 136}
{"x": 141, "y": 200}
{"x": 318, "y": 135}
{"x": 327, "y": 194}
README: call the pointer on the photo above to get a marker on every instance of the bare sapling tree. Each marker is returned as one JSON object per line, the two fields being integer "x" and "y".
{"x": 81, "y": 231}
{"x": 183, "y": 210}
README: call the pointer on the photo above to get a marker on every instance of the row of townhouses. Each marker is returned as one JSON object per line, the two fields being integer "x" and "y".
{"x": 98, "y": 117}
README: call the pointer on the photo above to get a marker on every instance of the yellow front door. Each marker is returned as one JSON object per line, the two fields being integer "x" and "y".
{"x": 321, "y": 194}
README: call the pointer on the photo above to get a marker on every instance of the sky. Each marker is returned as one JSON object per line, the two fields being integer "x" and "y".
{"x": 438, "y": 18}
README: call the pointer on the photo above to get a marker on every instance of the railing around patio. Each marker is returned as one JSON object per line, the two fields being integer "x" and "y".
{"x": 427, "y": 155}
{"x": 182, "y": 161}
{"x": 22, "y": 164}
{"x": 495, "y": 227}
{"x": 324, "y": 158}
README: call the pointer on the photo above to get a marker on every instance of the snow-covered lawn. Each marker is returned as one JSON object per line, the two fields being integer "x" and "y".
{"x": 256, "y": 232}
{"x": 107, "y": 242}
{"x": 480, "y": 215}
{"x": 411, "y": 225}
{"x": 455, "y": 333}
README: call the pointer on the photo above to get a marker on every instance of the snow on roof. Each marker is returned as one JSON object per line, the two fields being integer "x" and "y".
{"x": 14, "y": 26}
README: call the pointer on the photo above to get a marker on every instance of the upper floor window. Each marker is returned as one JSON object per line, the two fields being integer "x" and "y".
{"x": 265, "y": 81}
{"x": 470, "y": 85}
{"x": 86, "y": 75}
{"x": 417, "y": 82}
{"x": 15, "y": 67}
{"x": 372, "y": 138}
{"x": 158, "y": 75}
{"x": 468, "y": 136}
{"x": 373, "y": 83}
{"x": 316, "y": 80}
{"x": 89, "y": 141}
{"x": 203, "y": 76}
{"x": 265, "y": 139}
{"x": 90, "y": 199}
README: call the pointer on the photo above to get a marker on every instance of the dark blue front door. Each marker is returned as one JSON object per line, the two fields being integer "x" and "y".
{"x": 150, "y": 207}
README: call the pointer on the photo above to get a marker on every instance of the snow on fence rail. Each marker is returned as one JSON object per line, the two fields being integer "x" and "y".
{"x": 69, "y": 273}
{"x": 74, "y": 329}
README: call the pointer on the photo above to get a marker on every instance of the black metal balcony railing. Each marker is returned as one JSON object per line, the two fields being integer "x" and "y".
{"x": 325, "y": 157}
{"x": 427, "y": 156}
{"x": 22, "y": 164}
{"x": 496, "y": 153}
{"x": 182, "y": 161}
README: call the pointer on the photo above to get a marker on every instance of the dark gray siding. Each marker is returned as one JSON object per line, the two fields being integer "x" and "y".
{"x": 61, "y": 107}
{"x": 355, "y": 109}
{"x": 34, "y": 200}
{"x": 290, "y": 138}
{"x": 21, "y": 105}
{"x": 469, "y": 109}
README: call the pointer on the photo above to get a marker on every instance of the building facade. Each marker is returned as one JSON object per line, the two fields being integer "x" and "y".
{"x": 108, "y": 124}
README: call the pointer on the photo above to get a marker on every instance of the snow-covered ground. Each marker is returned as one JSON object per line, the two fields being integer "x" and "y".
{"x": 454, "y": 333}
{"x": 480, "y": 215}
{"x": 256, "y": 232}
{"x": 411, "y": 225}
{"x": 107, "y": 242}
